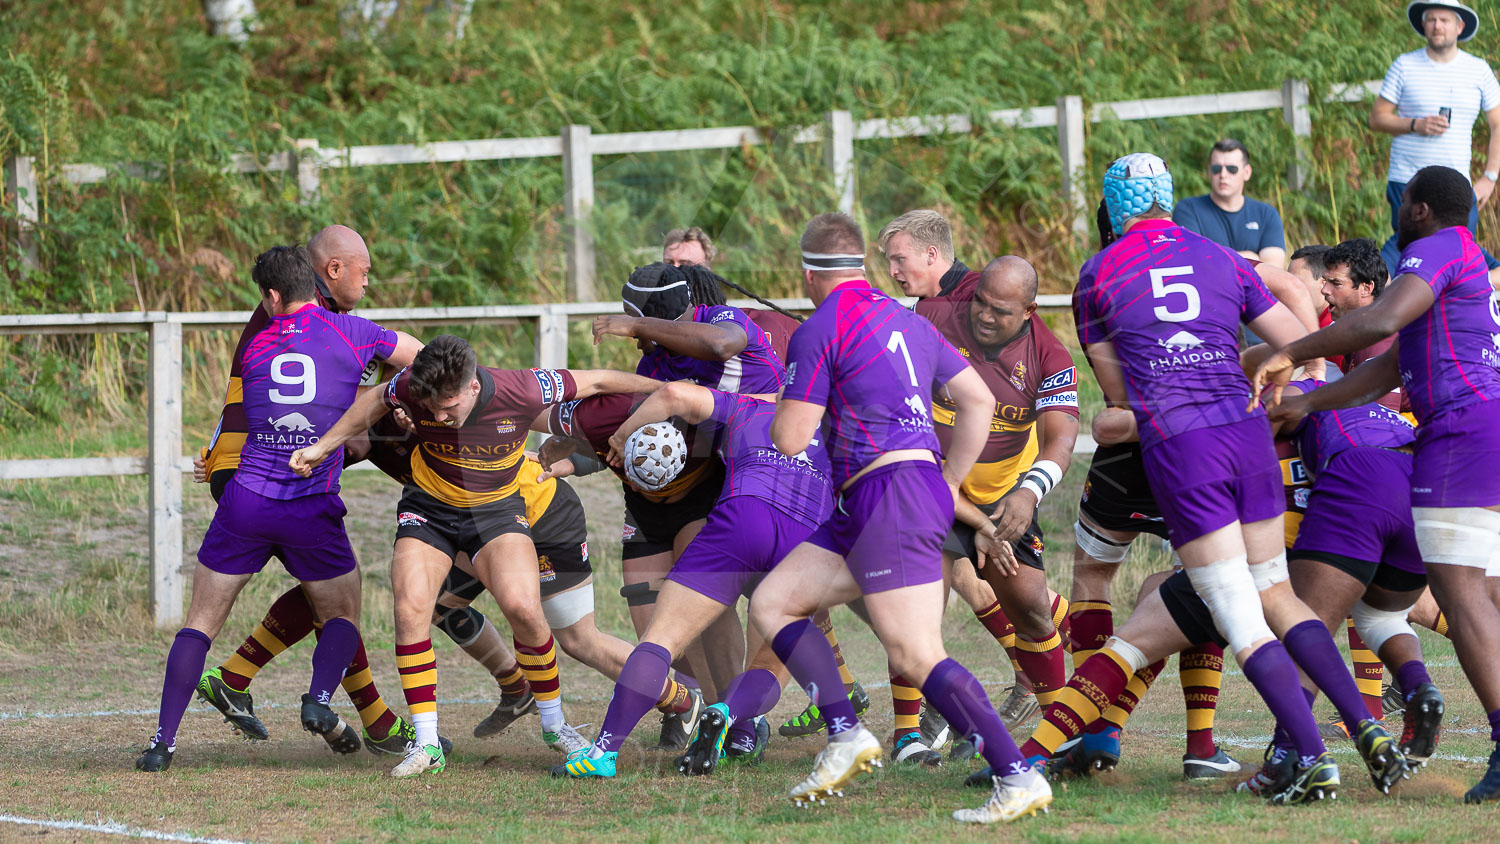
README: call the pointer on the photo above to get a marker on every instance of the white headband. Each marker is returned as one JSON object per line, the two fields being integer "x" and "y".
{"x": 649, "y": 291}
{"x": 819, "y": 262}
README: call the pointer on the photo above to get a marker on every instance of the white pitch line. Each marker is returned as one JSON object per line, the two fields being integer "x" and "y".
{"x": 113, "y": 828}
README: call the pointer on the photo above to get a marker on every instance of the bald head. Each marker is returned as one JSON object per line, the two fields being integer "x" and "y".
{"x": 1004, "y": 300}
{"x": 1010, "y": 277}
{"x": 340, "y": 256}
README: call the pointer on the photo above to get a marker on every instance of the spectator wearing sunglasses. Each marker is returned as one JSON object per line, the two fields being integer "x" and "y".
{"x": 1228, "y": 217}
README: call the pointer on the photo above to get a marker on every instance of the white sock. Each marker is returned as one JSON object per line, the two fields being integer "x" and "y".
{"x": 426, "y": 724}
{"x": 551, "y": 712}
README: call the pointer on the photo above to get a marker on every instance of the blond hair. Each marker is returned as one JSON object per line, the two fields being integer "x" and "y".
{"x": 925, "y": 228}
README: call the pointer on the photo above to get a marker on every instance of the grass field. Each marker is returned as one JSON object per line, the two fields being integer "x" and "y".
{"x": 80, "y": 673}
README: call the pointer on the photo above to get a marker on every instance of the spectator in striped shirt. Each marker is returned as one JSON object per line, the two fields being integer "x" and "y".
{"x": 1429, "y": 101}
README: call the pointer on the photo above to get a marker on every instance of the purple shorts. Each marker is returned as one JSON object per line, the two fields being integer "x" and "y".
{"x": 307, "y": 533}
{"x": 1208, "y": 478}
{"x": 1360, "y": 510}
{"x": 890, "y": 525}
{"x": 744, "y": 538}
{"x": 1456, "y": 456}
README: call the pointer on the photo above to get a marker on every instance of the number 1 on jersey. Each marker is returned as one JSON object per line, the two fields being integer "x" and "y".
{"x": 898, "y": 341}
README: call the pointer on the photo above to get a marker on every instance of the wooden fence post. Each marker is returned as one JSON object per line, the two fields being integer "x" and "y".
{"x": 165, "y": 471}
{"x": 1070, "y": 124}
{"x": 838, "y": 135}
{"x": 578, "y": 200}
{"x": 20, "y": 179}
{"x": 552, "y": 338}
{"x": 305, "y": 159}
{"x": 1294, "y": 99}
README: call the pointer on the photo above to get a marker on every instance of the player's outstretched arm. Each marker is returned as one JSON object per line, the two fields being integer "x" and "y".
{"x": 795, "y": 425}
{"x": 1367, "y": 383}
{"x": 595, "y": 382}
{"x": 407, "y": 347}
{"x": 1107, "y": 372}
{"x": 690, "y": 402}
{"x": 366, "y": 411}
{"x": 975, "y": 407}
{"x": 704, "y": 341}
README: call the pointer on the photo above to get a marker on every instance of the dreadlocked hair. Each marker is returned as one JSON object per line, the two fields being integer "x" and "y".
{"x": 703, "y": 284}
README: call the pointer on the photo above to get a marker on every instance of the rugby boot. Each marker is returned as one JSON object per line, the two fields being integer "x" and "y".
{"x": 911, "y": 750}
{"x": 963, "y": 748}
{"x": 238, "y": 708}
{"x": 1274, "y": 774}
{"x": 1315, "y": 781}
{"x": 158, "y": 757}
{"x": 1101, "y": 750}
{"x": 836, "y": 766}
{"x": 677, "y": 727}
{"x": 1421, "y": 723}
{"x": 935, "y": 730}
{"x": 1383, "y": 759}
{"x": 745, "y": 754}
{"x": 402, "y": 734}
{"x": 1213, "y": 767}
{"x": 1334, "y": 729}
{"x": 810, "y": 721}
{"x": 579, "y": 766}
{"x": 1489, "y": 787}
{"x": 420, "y": 760}
{"x": 1018, "y": 707}
{"x": 507, "y": 712}
{"x": 1013, "y": 797}
{"x": 1393, "y": 699}
{"x": 565, "y": 739}
{"x": 318, "y": 718}
{"x": 707, "y": 749}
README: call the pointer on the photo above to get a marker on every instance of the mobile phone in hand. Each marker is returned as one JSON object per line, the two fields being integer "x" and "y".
{"x": 1446, "y": 113}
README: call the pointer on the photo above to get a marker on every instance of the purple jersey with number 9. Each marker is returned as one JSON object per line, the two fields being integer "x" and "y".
{"x": 1171, "y": 302}
{"x": 300, "y": 374}
{"x": 875, "y": 366}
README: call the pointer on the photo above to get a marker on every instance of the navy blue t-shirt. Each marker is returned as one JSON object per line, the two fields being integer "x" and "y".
{"x": 1254, "y": 227}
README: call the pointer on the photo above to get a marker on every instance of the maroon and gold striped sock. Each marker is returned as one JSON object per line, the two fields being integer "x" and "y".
{"x": 1125, "y": 702}
{"x": 994, "y": 620}
{"x": 1093, "y": 687}
{"x": 1368, "y": 672}
{"x": 539, "y": 664}
{"x": 1200, "y": 669}
{"x": 417, "y": 665}
{"x": 825, "y": 624}
{"x": 1044, "y": 665}
{"x": 359, "y": 684}
{"x": 906, "y": 702}
{"x": 512, "y": 681}
{"x": 674, "y": 699}
{"x": 1093, "y": 624}
{"x": 286, "y": 623}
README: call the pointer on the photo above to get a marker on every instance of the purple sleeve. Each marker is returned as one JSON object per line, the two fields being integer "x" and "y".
{"x": 948, "y": 362}
{"x": 809, "y": 360}
{"x": 1258, "y": 298}
{"x": 1087, "y": 323}
{"x": 725, "y": 405}
{"x": 1432, "y": 269}
{"x": 715, "y": 314}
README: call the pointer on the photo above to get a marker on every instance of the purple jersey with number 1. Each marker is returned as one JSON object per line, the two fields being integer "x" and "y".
{"x": 1171, "y": 302}
{"x": 300, "y": 374}
{"x": 875, "y": 366}
{"x": 756, "y": 369}
{"x": 1449, "y": 355}
{"x": 797, "y": 486}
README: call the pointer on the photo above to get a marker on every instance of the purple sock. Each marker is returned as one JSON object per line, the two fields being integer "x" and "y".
{"x": 1410, "y": 675}
{"x": 752, "y": 693}
{"x": 688, "y": 680}
{"x": 1313, "y": 649}
{"x": 184, "y": 667}
{"x": 1279, "y": 738}
{"x": 804, "y": 651}
{"x": 1271, "y": 671}
{"x": 336, "y": 647}
{"x": 961, "y": 700}
{"x": 1495, "y": 725}
{"x": 637, "y": 690}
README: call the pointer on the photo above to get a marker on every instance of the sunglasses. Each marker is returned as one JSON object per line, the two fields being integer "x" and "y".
{"x": 1215, "y": 168}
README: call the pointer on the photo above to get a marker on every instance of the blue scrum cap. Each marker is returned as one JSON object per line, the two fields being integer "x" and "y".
{"x": 1133, "y": 185}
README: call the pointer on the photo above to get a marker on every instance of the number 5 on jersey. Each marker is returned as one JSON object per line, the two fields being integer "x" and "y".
{"x": 1161, "y": 289}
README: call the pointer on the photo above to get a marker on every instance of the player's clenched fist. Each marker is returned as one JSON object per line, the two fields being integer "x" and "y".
{"x": 617, "y": 325}
{"x": 304, "y": 460}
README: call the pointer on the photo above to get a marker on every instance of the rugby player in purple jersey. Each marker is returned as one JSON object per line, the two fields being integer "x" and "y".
{"x": 1446, "y": 358}
{"x": 770, "y": 503}
{"x": 872, "y": 368}
{"x": 1158, "y": 313}
{"x": 298, "y": 374}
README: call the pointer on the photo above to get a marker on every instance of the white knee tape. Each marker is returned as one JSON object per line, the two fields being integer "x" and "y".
{"x": 1377, "y": 627}
{"x": 566, "y": 608}
{"x": 1457, "y": 536}
{"x": 1100, "y": 548}
{"x": 1269, "y": 573}
{"x": 1229, "y": 591}
{"x": 1132, "y": 654}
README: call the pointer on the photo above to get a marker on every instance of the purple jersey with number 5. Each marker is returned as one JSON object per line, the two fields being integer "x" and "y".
{"x": 1324, "y": 435}
{"x": 1171, "y": 302}
{"x": 756, "y": 369}
{"x": 1449, "y": 355}
{"x": 875, "y": 366}
{"x": 299, "y": 375}
{"x": 797, "y": 486}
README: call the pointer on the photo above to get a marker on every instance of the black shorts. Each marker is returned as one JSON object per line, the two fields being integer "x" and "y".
{"x": 1361, "y": 570}
{"x": 1188, "y": 611}
{"x": 960, "y": 540}
{"x": 453, "y": 529}
{"x": 1116, "y": 494}
{"x": 562, "y": 551}
{"x": 650, "y": 526}
{"x": 1398, "y": 580}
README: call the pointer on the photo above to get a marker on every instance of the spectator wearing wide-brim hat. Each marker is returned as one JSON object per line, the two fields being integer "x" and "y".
{"x": 1429, "y": 101}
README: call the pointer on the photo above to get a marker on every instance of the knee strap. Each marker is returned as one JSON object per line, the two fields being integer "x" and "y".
{"x": 462, "y": 625}
{"x": 1457, "y": 536}
{"x": 1100, "y": 547}
{"x": 1377, "y": 627}
{"x": 1228, "y": 589}
{"x": 1270, "y": 573}
{"x": 638, "y": 594}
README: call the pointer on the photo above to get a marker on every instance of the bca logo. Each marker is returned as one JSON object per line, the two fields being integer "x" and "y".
{"x": 1058, "y": 380}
